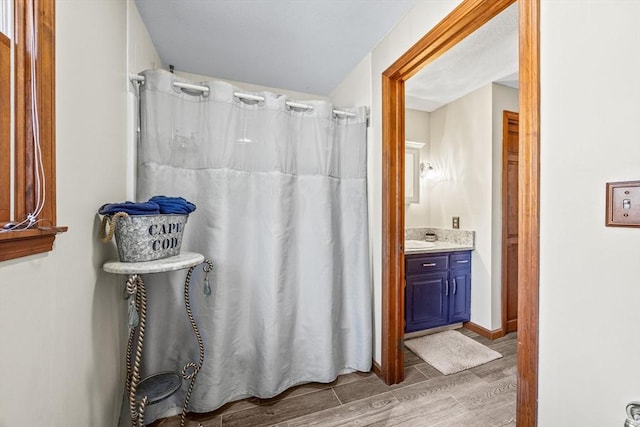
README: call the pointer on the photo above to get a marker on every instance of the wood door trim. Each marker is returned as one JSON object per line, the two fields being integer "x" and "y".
{"x": 462, "y": 21}
{"x": 528, "y": 212}
{"x": 392, "y": 230}
{"x": 508, "y": 117}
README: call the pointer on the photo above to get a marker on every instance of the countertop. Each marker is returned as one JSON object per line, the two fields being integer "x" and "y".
{"x": 441, "y": 246}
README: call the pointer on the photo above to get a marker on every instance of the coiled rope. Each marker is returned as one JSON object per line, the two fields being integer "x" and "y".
{"x": 192, "y": 366}
{"x": 135, "y": 286}
{"x": 110, "y": 220}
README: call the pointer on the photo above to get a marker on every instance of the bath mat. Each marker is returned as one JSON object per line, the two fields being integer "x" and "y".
{"x": 450, "y": 351}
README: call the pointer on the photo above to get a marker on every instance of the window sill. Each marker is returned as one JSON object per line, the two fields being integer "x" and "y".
{"x": 16, "y": 244}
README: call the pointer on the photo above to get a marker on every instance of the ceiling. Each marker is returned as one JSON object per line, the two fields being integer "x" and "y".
{"x": 310, "y": 46}
{"x": 490, "y": 54}
{"x": 306, "y": 46}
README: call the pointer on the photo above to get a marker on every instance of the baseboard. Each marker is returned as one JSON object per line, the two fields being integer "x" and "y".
{"x": 492, "y": 335}
{"x": 376, "y": 368}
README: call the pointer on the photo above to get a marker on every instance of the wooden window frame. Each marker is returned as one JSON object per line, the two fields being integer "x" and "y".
{"x": 39, "y": 239}
{"x": 5, "y": 130}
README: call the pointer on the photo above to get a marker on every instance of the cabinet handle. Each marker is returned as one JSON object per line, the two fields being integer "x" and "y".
{"x": 463, "y": 261}
{"x": 455, "y": 286}
{"x": 446, "y": 288}
{"x": 429, "y": 264}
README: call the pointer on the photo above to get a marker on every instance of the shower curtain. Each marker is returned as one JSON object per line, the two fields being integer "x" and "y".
{"x": 282, "y": 214}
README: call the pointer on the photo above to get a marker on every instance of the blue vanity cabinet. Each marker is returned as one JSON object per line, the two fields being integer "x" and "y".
{"x": 438, "y": 289}
{"x": 460, "y": 292}
{"x": 426, "y": 305}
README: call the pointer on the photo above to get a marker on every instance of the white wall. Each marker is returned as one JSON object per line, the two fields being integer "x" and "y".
{"x": 416, "y": 126}
{"x": 466, "y": 151}
{"x": 141, "y": 55}
{"x": 355, "y": 89}
{"x": 589, "y": 274}
{"x": 462, "y": 151}
{"x": 61, "y": 318}
{"x": 417, "y": 129}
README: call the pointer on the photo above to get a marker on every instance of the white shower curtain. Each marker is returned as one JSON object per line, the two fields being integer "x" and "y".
{"x": 282, "y": 213}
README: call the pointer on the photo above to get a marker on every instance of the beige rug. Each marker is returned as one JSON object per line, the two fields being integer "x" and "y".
{"x": 450, "y": 351}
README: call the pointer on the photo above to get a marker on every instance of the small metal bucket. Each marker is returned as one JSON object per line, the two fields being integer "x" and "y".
{"x": 149, "y": 237}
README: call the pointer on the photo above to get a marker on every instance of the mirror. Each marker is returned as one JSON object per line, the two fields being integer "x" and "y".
{"x": 412, "y": 172}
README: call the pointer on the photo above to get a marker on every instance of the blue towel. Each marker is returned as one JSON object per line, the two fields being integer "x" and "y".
{"x": 144, "y": 208}
{"x": 173, "y": 205}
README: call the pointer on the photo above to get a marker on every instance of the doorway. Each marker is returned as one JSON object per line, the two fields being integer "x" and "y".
{"x": 462, "y": 21}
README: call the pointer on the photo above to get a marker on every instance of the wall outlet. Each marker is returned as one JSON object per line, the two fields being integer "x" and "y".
{"x": 455, "y": 222}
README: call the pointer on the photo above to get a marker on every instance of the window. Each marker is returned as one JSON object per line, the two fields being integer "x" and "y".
{"x": 5, "y": 125}
{"x": 6, "y": 13}
{"x": 30, "y": 163}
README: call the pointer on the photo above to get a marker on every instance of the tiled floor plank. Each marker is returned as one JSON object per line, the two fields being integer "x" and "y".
{"x": 494, "y": 394}
{"x": 428, "y": 370}
{"x": 373, "y": 385}
{"x": 282, "y": 410}
{"x": 363, "y": 411}
{"x": 497, "y": 369}
{"x": 444, "y": 386}
{"x": 483, "y": 396}
{"x": 419, "y": 412}
{"x": 411, "y": 359}
{"x": 489, "y": 416}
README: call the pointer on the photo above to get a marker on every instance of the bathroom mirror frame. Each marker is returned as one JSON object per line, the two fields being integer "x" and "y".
{"x": 412, "y": 171}
{"x": 461, "y": 22}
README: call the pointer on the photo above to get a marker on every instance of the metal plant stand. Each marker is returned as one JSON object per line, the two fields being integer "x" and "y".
{"x": 161, "y": 385}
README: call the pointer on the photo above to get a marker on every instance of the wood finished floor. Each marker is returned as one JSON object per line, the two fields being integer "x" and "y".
{"x": 484, "y": 396}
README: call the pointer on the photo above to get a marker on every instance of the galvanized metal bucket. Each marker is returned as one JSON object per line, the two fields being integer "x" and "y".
{"x": 149, "y": 237}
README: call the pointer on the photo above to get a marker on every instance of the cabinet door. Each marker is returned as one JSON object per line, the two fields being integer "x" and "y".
{"x": 426, "y": 301}
{"x": 460, "y": 295}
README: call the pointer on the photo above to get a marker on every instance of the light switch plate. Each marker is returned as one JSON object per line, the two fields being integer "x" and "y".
{"x": 623, "y": 204}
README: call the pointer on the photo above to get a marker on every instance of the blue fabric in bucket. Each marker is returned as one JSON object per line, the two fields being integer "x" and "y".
{"x": 154, "y": 206}
{"x": 132, "y": 208}
{"x": 173, "y": 205}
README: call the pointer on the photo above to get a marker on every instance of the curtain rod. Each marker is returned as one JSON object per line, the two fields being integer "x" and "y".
{"x": 294, "y": 105}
